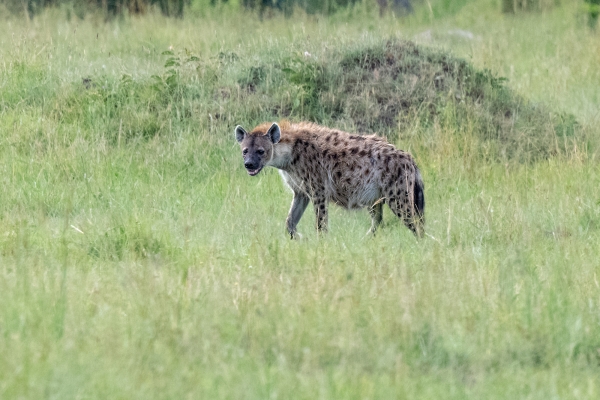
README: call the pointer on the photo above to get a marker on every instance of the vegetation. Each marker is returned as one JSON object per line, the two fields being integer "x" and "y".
{"x": 593, "y": 10}
{"x": 176, "y": 8}
{"x": 138, "y": 259}
{"x": 513, "y": 6}
{"x": 31, "y": 8}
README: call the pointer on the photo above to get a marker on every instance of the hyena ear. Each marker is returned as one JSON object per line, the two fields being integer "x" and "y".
{"x": 240, "y": 133}
{"x": 274, "y": 133}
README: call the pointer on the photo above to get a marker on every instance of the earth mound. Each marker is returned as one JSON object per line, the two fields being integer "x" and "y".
{"x": 399, "y": 89}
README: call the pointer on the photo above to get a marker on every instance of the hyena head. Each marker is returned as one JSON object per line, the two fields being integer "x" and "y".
{"x": 257, "y": 147}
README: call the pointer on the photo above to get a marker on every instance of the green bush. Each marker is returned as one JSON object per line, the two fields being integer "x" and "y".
{"x": 287, "y": 6}
{"x": 514, "y": 6}
{"x": 110, "y": 7}
{"x": 593, "y": 10}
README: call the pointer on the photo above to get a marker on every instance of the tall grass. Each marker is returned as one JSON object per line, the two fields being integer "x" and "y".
{"x": 137, "y": 259}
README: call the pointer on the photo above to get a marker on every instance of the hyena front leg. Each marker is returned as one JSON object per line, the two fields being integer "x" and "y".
{"x": 299, "y": 204}
{"x": 376, "y": 212}
{"x": 320, "y": 203}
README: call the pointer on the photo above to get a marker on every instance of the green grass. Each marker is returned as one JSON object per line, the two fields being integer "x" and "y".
{"x": 138, "y": 259}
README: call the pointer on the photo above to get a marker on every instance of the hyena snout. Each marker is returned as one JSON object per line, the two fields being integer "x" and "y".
{"x": 250, "y": 165}
{"x": 254, "y": 162}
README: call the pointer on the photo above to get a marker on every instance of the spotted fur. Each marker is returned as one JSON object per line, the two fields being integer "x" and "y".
{"x": 323, "y": 165}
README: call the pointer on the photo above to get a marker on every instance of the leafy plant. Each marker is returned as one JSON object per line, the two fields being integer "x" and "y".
{"x": 593, "y": 11}
{"x": 169, "y": 81}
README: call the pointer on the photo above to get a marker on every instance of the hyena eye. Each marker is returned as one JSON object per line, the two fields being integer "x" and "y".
{"x": 261, "y": 152}
{"x": 245, "y": 151}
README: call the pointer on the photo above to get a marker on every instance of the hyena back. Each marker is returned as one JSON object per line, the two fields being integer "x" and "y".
{"x": 325, "y": 165}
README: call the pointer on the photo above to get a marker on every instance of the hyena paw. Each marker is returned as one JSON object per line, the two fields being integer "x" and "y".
{"x": 371, "y": 233}
{"x": 295, "y": 236}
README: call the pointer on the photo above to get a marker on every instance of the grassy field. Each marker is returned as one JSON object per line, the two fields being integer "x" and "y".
{"x": 138, "y": 259}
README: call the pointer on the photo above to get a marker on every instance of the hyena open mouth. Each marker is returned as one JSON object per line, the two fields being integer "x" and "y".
{"x": 253, "y": 172}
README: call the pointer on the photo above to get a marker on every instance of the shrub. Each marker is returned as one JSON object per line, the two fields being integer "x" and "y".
{"x": 110, "y": 7}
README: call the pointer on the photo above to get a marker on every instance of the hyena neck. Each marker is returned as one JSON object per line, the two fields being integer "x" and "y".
{"x": 282, "y": 155}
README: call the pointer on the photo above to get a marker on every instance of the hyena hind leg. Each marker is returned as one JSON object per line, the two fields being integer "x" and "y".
{"x": 320, "y": 204}
{"x": 406, "y": 211}
{"x": 376, "y": 212}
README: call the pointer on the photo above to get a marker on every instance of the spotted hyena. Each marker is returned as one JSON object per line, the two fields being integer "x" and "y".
{"x": 322, "y": 165}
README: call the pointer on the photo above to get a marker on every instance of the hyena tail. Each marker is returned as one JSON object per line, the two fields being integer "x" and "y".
{"x": 419, "y": 195}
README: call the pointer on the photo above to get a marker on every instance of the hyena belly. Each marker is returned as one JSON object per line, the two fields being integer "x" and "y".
{"x": 357, "y": 194}
{"x": 356, "y": 185}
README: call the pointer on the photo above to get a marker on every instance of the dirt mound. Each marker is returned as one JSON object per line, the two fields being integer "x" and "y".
{"x": 397, "y": 85}
{"x": 397, "y": 88}
{"x": 399, "y": 80}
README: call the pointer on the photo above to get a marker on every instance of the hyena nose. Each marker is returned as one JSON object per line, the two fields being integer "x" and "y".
{"x": 249, "y": 165}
